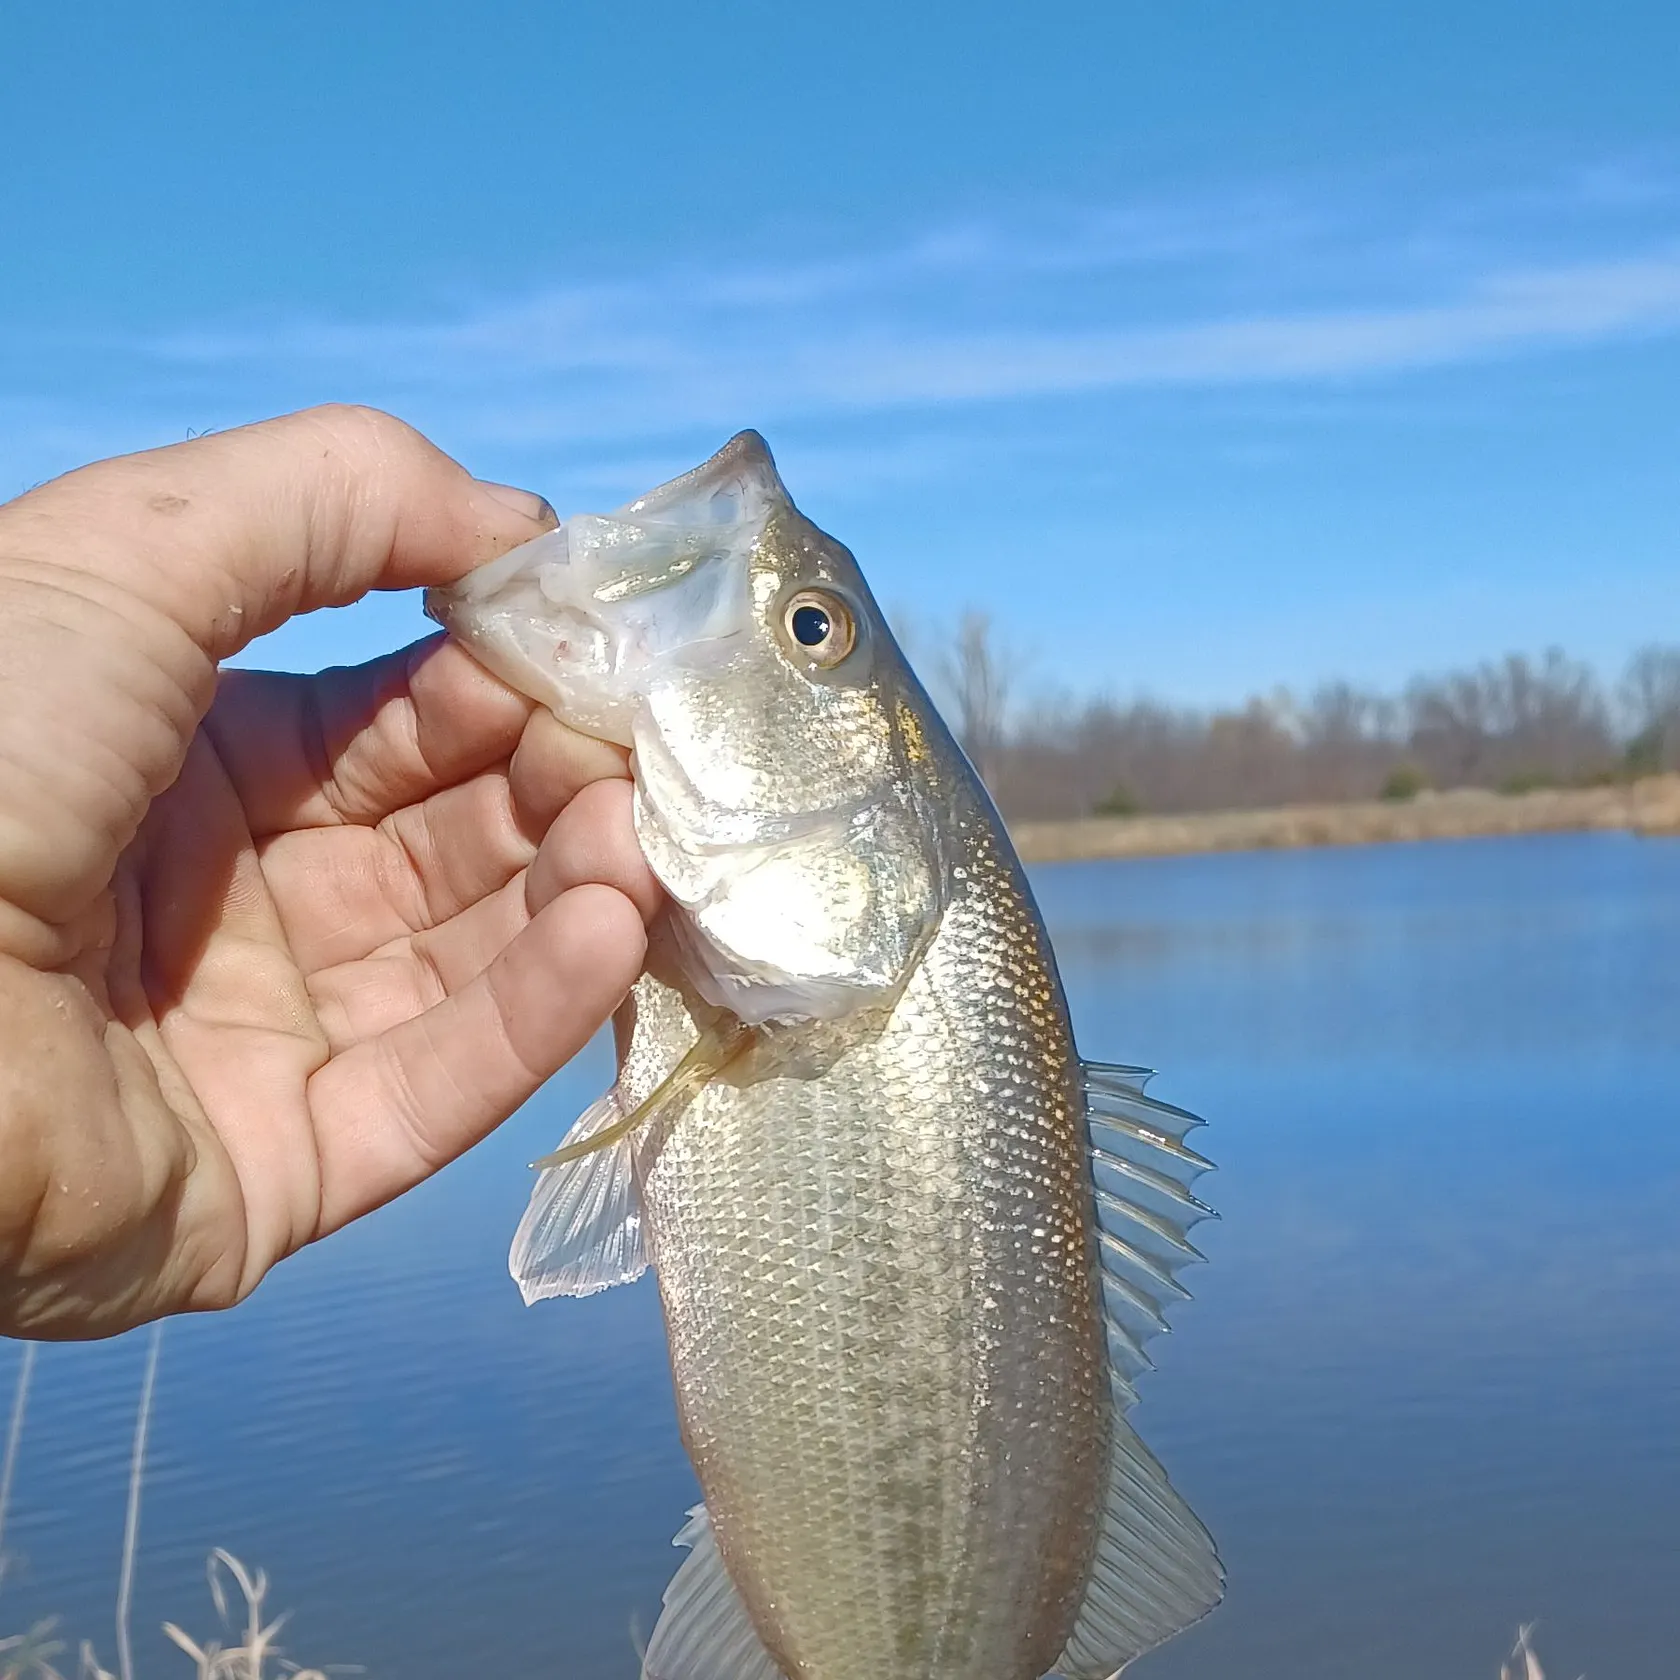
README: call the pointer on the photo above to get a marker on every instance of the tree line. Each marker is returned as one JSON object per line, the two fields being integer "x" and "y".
{"x": 1511, "y": 724}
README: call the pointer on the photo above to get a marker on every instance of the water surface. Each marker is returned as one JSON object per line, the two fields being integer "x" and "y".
{"x": 1428, "y": 1388}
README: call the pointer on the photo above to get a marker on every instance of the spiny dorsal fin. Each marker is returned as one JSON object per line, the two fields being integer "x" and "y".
{"x": 704, "y": 1631}
{"x": 1156, "y": 1570}
{"x": 1142, "y": 1171}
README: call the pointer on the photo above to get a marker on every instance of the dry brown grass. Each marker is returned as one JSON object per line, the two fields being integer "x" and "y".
{"x": 1523, "y": 1664}
{"x": 248, "y": 1647}
{"x": 28, "y": 1656}
{"x": 257, "y": 1655}
{"x": 1648, "y": 807}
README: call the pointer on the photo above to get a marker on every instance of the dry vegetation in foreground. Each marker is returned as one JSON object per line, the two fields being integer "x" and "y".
{"x": 255, "y": 1654}
{"x": 1522, "y": 1664}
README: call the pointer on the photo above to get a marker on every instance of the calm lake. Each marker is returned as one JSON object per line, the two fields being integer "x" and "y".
{"x": 1429, "y": 1387}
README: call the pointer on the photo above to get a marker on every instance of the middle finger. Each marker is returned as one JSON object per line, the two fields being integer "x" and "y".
{"x": 345, "y": 892}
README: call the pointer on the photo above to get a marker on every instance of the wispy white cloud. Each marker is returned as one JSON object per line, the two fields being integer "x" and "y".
{"x": 803, "y": 343}
{"x": 1268, "y": 289}
{"x": 1504, "y": 313}
{"x": 917, "y": 388}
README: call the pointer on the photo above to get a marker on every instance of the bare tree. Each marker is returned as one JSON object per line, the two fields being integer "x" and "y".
{"x": 1349, "y": 741}
{"x": 1513, "y": 721}
{"x": 975, "y": 672}
{"x": 1650, "y": 698}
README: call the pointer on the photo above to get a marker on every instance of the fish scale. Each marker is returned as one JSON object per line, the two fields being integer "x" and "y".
{"x": 920, "y": 1431}
{"x": 909, "y": 1247}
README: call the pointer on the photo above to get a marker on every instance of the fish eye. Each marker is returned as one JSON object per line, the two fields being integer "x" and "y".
{"x": 820, "y": 626}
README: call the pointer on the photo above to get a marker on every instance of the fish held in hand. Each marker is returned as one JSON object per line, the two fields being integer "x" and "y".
{"x": 909, "y": 1247}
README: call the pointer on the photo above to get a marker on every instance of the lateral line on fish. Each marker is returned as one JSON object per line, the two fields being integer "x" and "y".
{"x": 713, "y": 1051}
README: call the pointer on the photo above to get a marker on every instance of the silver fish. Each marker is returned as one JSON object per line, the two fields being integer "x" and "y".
{"x": 908, "y": 1246}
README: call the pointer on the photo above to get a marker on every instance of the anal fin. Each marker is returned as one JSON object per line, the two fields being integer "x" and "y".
{"x": 704, "y": 1631}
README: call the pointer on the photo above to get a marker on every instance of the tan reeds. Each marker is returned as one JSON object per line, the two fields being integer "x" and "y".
{"x": 23, "y": 1656}
{"x": 131, "y": 1517}
{"x": 252, "y": 1658}
{"x": 14, "y": 1439}
{"x": 1522, "y": 1664}
{"x": 30, "y": 1656}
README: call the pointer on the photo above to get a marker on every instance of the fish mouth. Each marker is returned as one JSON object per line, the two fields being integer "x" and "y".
{"x": 587, "y": 617}
{"x": 616, "y": 623}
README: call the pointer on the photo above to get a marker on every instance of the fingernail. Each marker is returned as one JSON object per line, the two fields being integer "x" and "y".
{"x": 526, "y": 502}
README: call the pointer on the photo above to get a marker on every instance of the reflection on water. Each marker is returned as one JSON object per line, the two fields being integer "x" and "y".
{"x": 1428, "y": 1388}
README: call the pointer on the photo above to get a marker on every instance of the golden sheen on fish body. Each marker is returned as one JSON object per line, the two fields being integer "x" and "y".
{"x": 908, "y": 1246}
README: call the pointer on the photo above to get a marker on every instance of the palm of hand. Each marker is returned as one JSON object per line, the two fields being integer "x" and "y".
{"x": 369, "y": 913}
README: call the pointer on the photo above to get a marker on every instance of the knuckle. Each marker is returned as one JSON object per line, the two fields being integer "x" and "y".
{"x": 355, "y": 435}
{"x": 358, "y": 421}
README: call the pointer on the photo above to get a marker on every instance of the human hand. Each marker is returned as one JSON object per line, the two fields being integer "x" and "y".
{"x": 273, "y": 949}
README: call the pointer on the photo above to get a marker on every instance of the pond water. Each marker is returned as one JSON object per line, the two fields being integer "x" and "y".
{"x": 1429, "y": 1387}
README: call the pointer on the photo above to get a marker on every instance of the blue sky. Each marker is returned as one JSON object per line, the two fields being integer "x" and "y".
{"x": 1210, "y": 347}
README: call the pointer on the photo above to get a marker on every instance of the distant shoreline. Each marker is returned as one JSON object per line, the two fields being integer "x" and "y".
{"x": 1650, "y": 806}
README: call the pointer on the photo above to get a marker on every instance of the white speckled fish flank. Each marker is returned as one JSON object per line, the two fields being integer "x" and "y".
{"x": 908, "y": 1247}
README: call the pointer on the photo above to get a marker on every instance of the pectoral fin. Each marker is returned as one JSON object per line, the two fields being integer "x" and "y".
{"x": 582, "y": 1231}
{"x": 718, "y": 1046}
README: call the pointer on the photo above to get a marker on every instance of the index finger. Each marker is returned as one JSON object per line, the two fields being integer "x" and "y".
{"x": 229, "y": 535}
{"x": 124, "y": 584}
